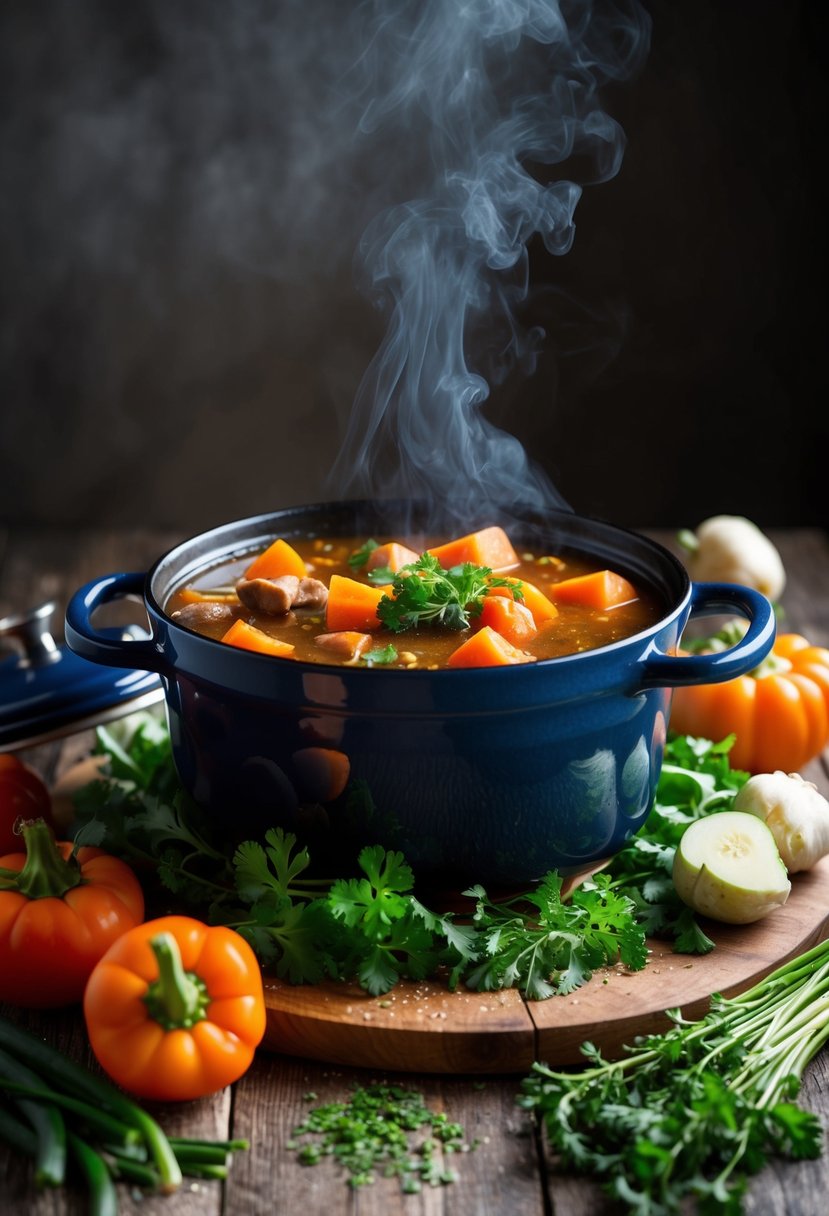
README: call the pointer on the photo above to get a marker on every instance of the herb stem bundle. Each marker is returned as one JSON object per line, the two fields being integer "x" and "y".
{"x": 695, "y": 1110}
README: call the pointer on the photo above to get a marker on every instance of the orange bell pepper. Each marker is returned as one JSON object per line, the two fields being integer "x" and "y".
{"x": 175, "y": 1009}
{"x": 59, "y": 914}
{"x": 779, "y": 713}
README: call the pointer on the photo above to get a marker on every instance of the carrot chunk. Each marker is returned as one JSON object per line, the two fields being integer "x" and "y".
{"x": 394, "y": 556}
{"x": 604, "y": 589}
{"x": 539, "y": 605}
{"x": 486, "y": 648}
{"x": 509, "y": 618}
{"x": 278, "y": 559}
{"x": 189, "y": 595}
{"x": 352, "y": 605}
{"x": 248, "y": 637}
{"x": 486, "y": 547}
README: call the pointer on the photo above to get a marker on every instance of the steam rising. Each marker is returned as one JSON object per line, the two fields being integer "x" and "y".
{"x": 186, "y": 187}
{"x": 497, "y": 92}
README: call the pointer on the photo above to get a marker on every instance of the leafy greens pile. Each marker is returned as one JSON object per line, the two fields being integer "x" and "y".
{"x": 692, "y": 1112}
{"x": 370, "y": 926}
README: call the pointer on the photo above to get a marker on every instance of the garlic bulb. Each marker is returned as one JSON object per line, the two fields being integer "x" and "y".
{"x": 731, "y": 549}
{"x": 794, "y": 810}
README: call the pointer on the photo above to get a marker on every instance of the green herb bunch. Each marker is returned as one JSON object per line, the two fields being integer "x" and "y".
{"x": 369, "y": 926}
{"x": 423, "y": 593}
{"x": 695, "y": 1111}
{"x": 373, "y": 929}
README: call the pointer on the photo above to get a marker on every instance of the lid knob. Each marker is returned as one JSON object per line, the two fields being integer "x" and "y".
{"x": 30, "y": 635}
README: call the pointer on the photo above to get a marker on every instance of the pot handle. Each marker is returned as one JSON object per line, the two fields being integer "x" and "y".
{"x": 708, "y": 599}
{"x": 90, "y": 643}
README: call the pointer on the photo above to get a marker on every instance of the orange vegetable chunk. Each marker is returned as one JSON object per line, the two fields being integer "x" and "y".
{"x": 604, "y": 589}
{"x": 487, "y": 547}
{"x": 542, "y": 608}
{"x": 278, "y": 559}
{"x": 352, "y": 605}
{"x": 248, "y": 637}
{"x": 486, "y": 648}
{"x": 512, "y": 620}
{"x": 189, "y": 595}
{"x": 393, "y": 555}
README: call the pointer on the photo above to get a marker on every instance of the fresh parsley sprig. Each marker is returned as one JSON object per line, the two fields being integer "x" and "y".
{"x": 556, "y": 947}
{"x": 692, "y": 1112}
{"x": 423, "y": 593}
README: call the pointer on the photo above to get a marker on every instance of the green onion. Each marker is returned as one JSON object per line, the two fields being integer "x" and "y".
{"x": 65, "y": 1074}
{"x": 45, "y": 1119}
{"x": 100, "y": 1121}
{"x": 19, "y": 1135}
{"x": 102, "y": 1195}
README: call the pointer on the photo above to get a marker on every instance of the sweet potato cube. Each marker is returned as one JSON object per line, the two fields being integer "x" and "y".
{"x": 486, "y": 648}
{"x": 394, "y": 556}
{"x": 542, "y": 608}
{"x": 486, "y": 547}
{"x": 353, "y": 605}
{"x": 512, "y": 620}
{"x": 604, "y": 589}
{"x": 278, "y": 559}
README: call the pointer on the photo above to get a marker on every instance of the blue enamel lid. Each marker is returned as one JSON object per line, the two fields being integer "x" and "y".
{"x": 47, "y": 691}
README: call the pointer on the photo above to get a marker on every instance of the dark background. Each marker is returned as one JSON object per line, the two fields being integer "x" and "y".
{"x": 160, "y": 366}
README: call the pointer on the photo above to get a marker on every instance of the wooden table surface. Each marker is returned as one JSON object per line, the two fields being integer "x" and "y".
{"x": 509, "y": 1173}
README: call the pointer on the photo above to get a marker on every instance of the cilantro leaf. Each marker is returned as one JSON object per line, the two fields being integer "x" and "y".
{"x": 274, "y": 868}
{"x": 375, "y": 901}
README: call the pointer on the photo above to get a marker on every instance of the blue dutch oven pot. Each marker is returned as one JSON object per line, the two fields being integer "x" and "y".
{"x": 494, "y": 775}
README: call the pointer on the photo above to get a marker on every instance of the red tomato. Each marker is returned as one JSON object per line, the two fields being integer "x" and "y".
{"x": 22, "y": 796}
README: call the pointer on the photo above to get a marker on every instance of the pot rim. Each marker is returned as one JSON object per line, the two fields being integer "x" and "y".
{"x": 261, "y": 521}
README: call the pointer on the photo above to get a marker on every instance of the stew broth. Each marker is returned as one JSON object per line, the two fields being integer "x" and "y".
{"x": 210, "y": 605}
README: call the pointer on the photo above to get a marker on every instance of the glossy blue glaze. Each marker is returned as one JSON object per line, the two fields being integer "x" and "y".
{"x": 492, "y": 775}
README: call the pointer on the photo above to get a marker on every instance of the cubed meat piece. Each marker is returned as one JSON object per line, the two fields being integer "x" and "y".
{"x": 346, "y": 644}
{"x": 273, "y": 596}
{"x": 311, "y": 593}
{"x": 205, "y": 612}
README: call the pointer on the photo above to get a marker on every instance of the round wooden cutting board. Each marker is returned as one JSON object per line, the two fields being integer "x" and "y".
{"x": 423, "y": 1027}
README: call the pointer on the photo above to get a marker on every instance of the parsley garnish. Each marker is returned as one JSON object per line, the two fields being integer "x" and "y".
{"x": 557, "y": 947}
{"x": 691, "y": 1112}
{"x": 374, "y": 1131}
{"x": 423, "y": 593}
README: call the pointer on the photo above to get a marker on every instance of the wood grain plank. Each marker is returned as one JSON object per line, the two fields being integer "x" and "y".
{"x": 417, "y": 1027}
{"x": 500, "y": 1176}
